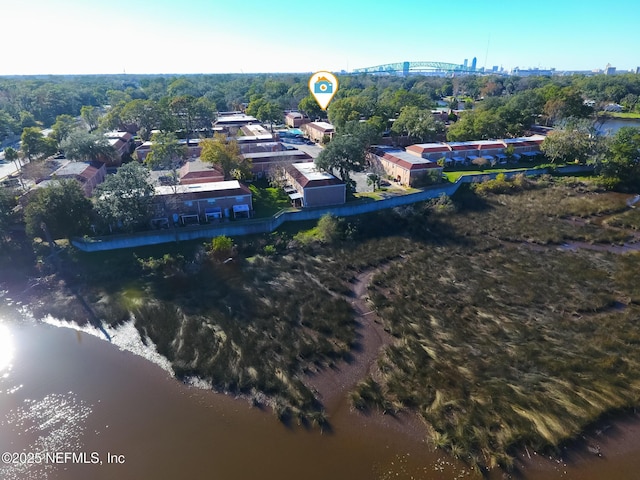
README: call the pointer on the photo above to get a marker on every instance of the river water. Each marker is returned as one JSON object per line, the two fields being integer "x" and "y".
{"x": 611, "y": 125}
{"x": 67, "y": 390}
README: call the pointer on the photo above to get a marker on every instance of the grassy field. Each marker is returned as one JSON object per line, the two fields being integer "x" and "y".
{"x": 502, "y": 338}
{"x": 624, "y": 115}
{"x": 454, "y": 175}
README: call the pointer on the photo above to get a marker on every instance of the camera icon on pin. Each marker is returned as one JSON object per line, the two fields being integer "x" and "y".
{"x": 323, "y": 86}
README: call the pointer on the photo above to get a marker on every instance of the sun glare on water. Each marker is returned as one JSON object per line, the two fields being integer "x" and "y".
{"x": 6, "y": 348}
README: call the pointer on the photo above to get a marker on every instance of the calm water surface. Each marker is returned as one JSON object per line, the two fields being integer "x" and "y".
{"x": 63, "y": 390}
{"x": 611, "y": 125}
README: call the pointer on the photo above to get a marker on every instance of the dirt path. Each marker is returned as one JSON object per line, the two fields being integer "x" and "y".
{"x": 333, "y": 384}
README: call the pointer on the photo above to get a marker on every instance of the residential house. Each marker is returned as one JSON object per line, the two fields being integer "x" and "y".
{"x": 88, "y": 174}
{"x": 466, "y": 152}
{"x": 193, "y": 148}
{"x": 231, "y": 122}
{"x": 262, "y": 162}
{"x": 525, "y": 146}
{"x": 295, "y": 119}
{"x": 310, "y": 187}
{"x": 316, "y": 131}
{"x": 463, "y": 152}
{"x": 430, "y": 151}
{"x": 406, "y": 168}
{"x": 122, "y": 142}
{"x": 202, "y": 202}
{"x": 196, "y": 171}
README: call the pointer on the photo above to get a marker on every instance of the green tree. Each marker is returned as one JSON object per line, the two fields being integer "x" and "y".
{"x": 622, "y": 164}
{"x": 479, "y": 124}
{"x": 192, "y": 113}
{"x": 36, "y": 146}
{"x": 418, "y": 123}
{"x": 564, "y": 103}
{"x": 225, "y": 155}
{"x": 265, "y": 111}
{"x": 165, "y": 151}
{"x": 463, "y": 129}
{"x": 222, "y": 247}
{"x": 27, "y": 119}
{"x": 11, "y": 155}
{"x": 629, "y": 102}
{"x": 365, "y": 132}
{"x": 329, "y": 228}
{"x": 374, "y": 180}
{"x": 91, "y": 116}
{"x": 7, "y": 204}
{"x": 124, "y": 200}
{"x": 8, "y": 125}
{"x": 573, "y": 141}
{"x": 393, "y": 100}
{"x": 310, "y": 107}
{"x": 64, "y": 125}
{"x": 144, "y": 114}
{"x": 343, "y": 110}
{"x": 345, "y": 154}
{"x": 81, "y": 145}
{"x": 62, "y": 206}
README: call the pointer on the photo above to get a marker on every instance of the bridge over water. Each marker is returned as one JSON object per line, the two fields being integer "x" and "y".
{"x": 405, "y": 68}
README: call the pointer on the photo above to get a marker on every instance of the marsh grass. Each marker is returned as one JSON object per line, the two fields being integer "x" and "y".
{"x": 502, "y": 346}
{"x": 627, "y": 219}
{"x": 541, "y": 215}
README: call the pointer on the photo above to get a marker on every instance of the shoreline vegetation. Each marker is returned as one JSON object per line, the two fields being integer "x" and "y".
{"x": 502, "y": 334}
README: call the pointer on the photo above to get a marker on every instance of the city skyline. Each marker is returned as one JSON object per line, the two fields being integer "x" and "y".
{"x": 200, "y": 36}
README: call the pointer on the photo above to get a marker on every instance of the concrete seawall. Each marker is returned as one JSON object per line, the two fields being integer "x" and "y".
{"x": 267, "y": 225}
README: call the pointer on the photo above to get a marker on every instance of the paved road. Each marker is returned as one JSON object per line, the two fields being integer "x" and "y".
{"x": 6, "y": 168}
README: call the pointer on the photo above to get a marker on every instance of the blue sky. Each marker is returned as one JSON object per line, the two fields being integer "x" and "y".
{"x": 214, "y": 36}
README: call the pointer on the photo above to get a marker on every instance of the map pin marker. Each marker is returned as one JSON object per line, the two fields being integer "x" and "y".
{"x": 323, "y": 86}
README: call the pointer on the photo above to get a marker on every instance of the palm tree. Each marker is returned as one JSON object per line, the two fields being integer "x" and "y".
{"x": 11, "y": 155}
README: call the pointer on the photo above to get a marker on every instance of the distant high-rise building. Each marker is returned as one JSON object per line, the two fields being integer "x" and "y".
{"x": 637, "y": 70}
{"x": 466, "y": 61}
{"x": 494, "y": 68}
{"x": 473, "y": 64}
{"x": 609, "y": 70}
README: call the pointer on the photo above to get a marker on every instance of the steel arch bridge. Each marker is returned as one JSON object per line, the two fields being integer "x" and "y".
{"x": 406, "y": 68}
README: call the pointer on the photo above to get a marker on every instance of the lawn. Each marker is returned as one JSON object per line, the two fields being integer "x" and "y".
{"x": 454, "y": 175}
{"x": 625, "y": 115}
{"x": 371, "y": 195}
{"x": 267, "y": 200}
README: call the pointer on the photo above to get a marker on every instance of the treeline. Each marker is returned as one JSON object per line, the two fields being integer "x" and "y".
{"x": 501, "y": 105}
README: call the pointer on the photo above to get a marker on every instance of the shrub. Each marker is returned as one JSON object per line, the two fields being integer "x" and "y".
{"x": 501, "y": 184}
{"x": 329, "y": 228}
{"x": 442, "y": 204}
{"x": 480, "y": 162}
{"x": 608, "y": 183}
{"x": 222, "y": 246}
{"x": 429, "y": 178}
